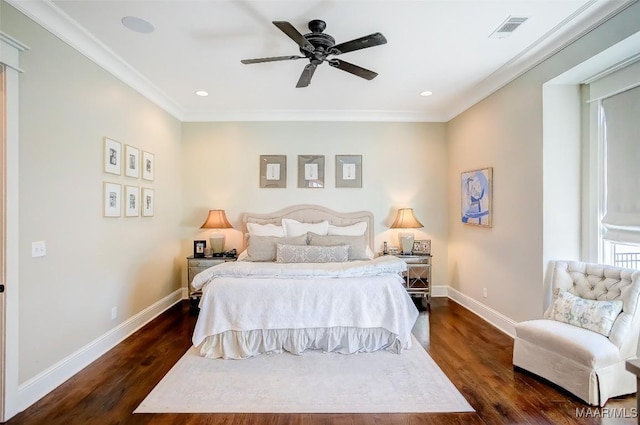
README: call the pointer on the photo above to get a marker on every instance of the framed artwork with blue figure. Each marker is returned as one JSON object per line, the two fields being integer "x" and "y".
{"x": 477, "y": 191}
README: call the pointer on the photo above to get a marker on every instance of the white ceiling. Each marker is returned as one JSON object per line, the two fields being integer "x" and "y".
{"x": 441, "y": 46}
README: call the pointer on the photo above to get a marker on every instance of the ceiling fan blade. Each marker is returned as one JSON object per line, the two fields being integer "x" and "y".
{"x": 305, "y": 77}
{"x": 353, "y": 69}
{"x": 294, "y": 34}
{"x": 271, "y": 59}
{"x": 370, "y": 40}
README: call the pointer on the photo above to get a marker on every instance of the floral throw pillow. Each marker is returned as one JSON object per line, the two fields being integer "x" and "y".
{"x": 597, "y": 316}
{"x": 311, "y": 254}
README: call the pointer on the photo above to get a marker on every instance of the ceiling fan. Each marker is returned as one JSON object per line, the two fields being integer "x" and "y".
{"x": 317, "y": 46}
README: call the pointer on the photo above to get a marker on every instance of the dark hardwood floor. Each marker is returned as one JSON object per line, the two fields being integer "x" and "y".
{"x": 475, "y": 356}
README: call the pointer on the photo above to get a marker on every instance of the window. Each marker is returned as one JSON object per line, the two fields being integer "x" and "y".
{"x": 618, "y": 128}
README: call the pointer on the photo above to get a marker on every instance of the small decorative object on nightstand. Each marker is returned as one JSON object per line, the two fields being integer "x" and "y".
{"x": 198, "y": 248}
{"x": 418, "y": 276}
{"x": 197, "y": 265}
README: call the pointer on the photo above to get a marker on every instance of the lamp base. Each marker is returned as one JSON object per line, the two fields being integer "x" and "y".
{"x": 406, "y": 242}
{"x": 217, "y": 244}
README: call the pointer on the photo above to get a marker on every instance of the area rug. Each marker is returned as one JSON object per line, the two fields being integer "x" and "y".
{"x": 314, "y": 382}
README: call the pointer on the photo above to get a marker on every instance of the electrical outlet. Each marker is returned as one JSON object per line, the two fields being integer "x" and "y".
{"x": 38, "y": 249}
{"x": 484, "y": 292}
{"x": 114, "y": 313}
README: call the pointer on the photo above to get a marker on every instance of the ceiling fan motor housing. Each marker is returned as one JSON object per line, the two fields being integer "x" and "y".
{"x": 320, "y": 41}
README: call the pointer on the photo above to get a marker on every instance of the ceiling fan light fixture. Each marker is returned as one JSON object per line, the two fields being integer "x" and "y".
{"x": 137, "y": 24}
{"x": 202, "y": 93}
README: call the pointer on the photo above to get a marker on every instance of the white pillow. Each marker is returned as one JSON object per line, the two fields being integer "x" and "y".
{"x": 597, "y": 316}
{"x": 357, "y": 229}
{"x": 294, "y": 228}
{"x": 265, "y": 230}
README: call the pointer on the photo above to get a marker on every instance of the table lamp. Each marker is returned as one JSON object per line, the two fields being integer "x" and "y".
{"x": 216, "y": 220}
{"x": 406, "y": 220}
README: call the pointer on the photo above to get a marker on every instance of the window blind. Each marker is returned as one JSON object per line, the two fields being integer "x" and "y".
{"x": 621, "y": 114}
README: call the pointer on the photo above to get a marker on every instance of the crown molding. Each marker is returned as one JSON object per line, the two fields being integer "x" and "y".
{"x": 50, "y": 17}
{"x": 312, "y": 115}
{"x": 582, "y": 21}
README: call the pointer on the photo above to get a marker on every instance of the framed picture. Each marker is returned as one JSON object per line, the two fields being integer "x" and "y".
{"x": 476, "y": 188}
{"x": 147, "y": 202}
{"x": 131, "y": 161}
{"x": 148, "y": 166}
{"x": 311, "y": 171}
{"x": 273, "y": 171}
{"x": 422, "y": 246}
{"x": 131, "y": 201}
{"x": 112, "y": 156}
{"x": 348, "y": 170}
{"x": 112, "y": 199}
{"x": 198, "y": 248}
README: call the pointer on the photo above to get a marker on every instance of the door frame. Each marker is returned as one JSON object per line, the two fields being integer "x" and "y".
{"x": 10, "y": 403}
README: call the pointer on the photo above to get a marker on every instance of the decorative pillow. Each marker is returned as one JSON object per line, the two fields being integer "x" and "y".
{"x": 295, "y": 228}
{"x": 597, "y": 316}
{"x": 311, "y": 254}
{"x": 263, "y": 248}
{"x": 265, "y": 230}
{"x": 357, "y": 244}
{"x": 357, "y": 229}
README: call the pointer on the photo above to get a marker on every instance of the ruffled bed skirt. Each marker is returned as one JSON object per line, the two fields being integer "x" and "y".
{"x": 344, "y": 340}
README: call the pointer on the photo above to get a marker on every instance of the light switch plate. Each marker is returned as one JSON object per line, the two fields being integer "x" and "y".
{"x": 38, "y": 249}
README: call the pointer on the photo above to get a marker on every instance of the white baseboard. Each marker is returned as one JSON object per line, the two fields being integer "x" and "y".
{"x": 499, "y": 320}
{"x": 440, "y": 291}
{"x": 45, "y": 382}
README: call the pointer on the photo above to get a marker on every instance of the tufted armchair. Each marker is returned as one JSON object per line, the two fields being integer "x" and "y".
{"x": 588, "y": 332}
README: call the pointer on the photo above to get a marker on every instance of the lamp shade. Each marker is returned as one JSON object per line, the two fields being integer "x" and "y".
{"x": 216, "y": 220}
{"x": 406, "y": 220}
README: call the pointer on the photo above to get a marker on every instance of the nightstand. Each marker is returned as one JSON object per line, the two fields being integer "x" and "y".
{"x": 418, "y": 276}
{"x": 195, "y": 266}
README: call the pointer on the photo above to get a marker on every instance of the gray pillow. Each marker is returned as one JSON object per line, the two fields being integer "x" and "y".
{"x": 357, "y": 244}
{"x": 311, "y": 254}
{"x": 263, "y": 248}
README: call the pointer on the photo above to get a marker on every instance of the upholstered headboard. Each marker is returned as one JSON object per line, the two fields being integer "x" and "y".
{"x": 313, "y": 214}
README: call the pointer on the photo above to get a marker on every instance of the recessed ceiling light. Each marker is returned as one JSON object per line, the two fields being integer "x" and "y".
{"x": 137, "y": 24}
{"x": 202, "y": 93}
{"x": 426, "y": 93}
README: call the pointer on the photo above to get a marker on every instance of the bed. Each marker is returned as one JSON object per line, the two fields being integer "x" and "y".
{"x": 307, "y": 280}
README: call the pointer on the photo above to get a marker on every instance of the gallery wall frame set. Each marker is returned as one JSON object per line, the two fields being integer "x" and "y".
{"x": 137, "y": 201}
{"x": 311, "y": 171}
{"x": 476, "y": 189}
{"x": 134, "y": 200}
{"x": 132, "y": 161}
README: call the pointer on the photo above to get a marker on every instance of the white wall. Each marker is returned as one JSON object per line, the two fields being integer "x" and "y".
{"x": 505, "y": 131}
{"x": 404, "y": 165}
{"x": 67, "y": 105}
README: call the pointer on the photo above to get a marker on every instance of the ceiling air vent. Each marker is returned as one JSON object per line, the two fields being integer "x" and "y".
{"x": 508, "y": 27}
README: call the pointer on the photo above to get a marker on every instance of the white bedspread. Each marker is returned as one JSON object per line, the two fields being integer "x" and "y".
{"x": 362, "y": 294}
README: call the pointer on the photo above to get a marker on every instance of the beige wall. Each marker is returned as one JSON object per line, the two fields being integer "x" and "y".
{"x": 67, "y": 105}
{"x": 505, "y": 131}
{"x": 404, "y": 165}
